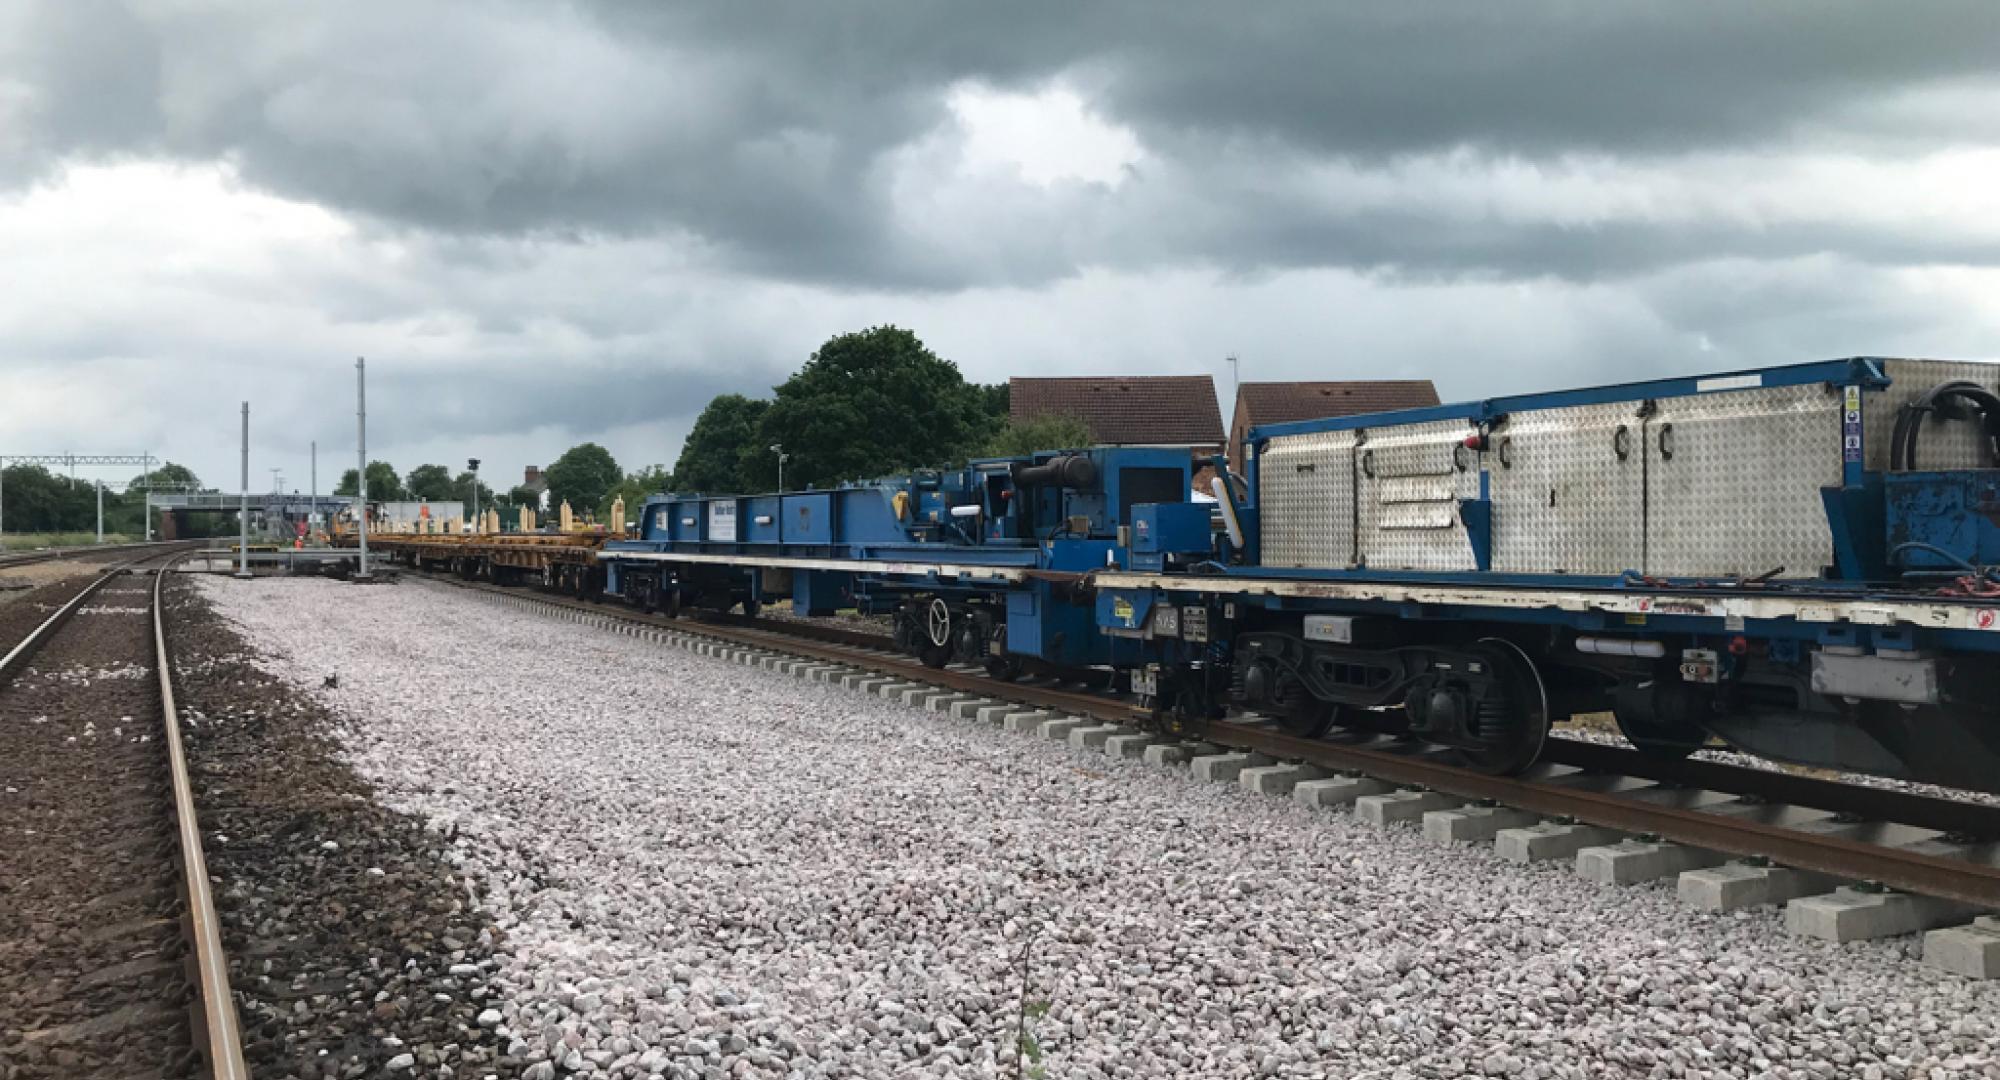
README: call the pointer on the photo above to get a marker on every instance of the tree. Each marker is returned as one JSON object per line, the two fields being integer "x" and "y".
{"x": 995, "y": 399}
{"x": 581, "y": 477}
{"x": 383, "y": 483}
{"x": 1023, "y": 437}
{"x": 431, "y": 483}
{"x": 711, "y": 458}
{"x": 462, "y": 488}
{"x": 866, "y": 404}
{"x": 180, "y": 476}
{"x": 523, "y": 495}
{"x": 650, "y": 480}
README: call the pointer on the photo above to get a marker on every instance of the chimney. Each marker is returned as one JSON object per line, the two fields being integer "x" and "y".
{"x": 534, "y": 476}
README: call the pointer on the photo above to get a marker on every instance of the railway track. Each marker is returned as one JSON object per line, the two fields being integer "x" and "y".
{"x": 1932, "y": 847}
{"x": 115, "y": 937}
{"x": 29, "y": 558}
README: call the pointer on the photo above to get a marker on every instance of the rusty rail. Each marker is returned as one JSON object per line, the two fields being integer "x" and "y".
{"x": 217, "y": 1032}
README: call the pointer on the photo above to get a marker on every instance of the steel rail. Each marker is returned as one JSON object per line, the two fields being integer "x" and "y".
{"x": 29, "y": 558}
{"x": 1932, "y": 875}
{"x": 216, "y": 1021}
{"x": 223, "y": 1047}
{"x": 26, "y": 648}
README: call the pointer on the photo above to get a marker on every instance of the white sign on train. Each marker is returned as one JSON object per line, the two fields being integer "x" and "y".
{"x": 722, "y": 522}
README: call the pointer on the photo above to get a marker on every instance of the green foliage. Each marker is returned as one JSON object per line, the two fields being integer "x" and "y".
{"x": 35, "y": 500}
{"x": 428, "y": 482}
{"x": 383, "y": 483}
{"x": 866, "y": 404}
{"x": 1023, "y": 437}
{"x": 1029, "y": 1045}
{"x": 33, "y": 541}
{"x": 180, "y": 476}
{"x": 523, "y": 495}
{"x": 723, "y": 437}
{"x": 634, "y": 488}
{"x": 582, "y": 476}
{"x": 462, "y": 488}
{"x": 994, "y": 399}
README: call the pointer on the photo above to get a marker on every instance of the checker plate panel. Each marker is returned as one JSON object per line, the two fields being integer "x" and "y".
{"x": 1409, "y": 506}
{"x": 1564, "y": 502}
{"x": 1741, "y": 493}
{"x": 1307, "y": 500}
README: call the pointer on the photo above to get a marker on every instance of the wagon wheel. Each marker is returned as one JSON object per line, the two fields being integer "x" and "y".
{"x": 1514, "y": 727}
{"x": 936, "y": 651}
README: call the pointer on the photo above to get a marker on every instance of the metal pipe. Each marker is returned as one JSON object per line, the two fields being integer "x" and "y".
{"x": 361, "y": 460}
{"x": 1220, "y": 486}
{"x": 243, "y": 511}
{"x": 1605, "y": 646}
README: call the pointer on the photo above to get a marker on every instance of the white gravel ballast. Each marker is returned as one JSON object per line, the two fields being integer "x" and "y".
{"x": 706, "y": 870}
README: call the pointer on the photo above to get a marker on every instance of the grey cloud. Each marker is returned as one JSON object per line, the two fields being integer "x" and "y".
{"x": 761, "y": 133}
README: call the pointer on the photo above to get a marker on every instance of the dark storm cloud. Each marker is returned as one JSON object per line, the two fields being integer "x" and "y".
{"x": 765, "y": 134}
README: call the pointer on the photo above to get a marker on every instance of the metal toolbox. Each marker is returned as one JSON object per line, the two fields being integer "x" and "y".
{"x": 1710, "y": 477}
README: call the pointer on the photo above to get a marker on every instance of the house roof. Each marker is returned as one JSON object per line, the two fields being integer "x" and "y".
{"x": 1284, "y": 402}
{"x": 1126, "y": 409}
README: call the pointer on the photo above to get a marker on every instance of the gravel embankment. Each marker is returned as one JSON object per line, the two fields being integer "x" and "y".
{"x": 883, "y": 625}
{"x": 703, "y": 870}
{"x": 358, "y": 948}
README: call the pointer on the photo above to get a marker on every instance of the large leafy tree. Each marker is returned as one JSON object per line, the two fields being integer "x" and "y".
{"x": 582, "y": 476}
{"x": 724, "y": 435}
{"x": 429, "y": 482}
{"x": 168, "y": 473}
{"x": 383, "y": 483}
{"x": 868, "y": 403}
{"x": 634, "y": 489}
{"x": 994, "y": 399}
{"x": 462, "y": 488}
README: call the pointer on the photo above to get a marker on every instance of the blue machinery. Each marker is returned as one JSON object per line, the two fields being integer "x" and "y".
{"x": 1798, "y": 560}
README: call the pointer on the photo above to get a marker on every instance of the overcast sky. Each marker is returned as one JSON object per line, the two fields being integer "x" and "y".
{"x": 546, "y": 222}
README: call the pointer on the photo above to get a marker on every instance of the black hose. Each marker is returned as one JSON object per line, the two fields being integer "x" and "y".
{"x": 1961, "y": 563}
{"x": 1910, "y": 420}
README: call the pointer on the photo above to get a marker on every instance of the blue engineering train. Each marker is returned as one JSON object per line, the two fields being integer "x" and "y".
{"x": 1802, "y": 561}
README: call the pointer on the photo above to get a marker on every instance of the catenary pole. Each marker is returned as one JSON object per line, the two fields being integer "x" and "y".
{"x": 243, "y": 512}
{"x": 361, "y": 462}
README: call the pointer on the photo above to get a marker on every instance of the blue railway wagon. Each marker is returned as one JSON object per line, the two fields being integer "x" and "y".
{"x": 987, "y": 564}
{"x": 1798, "y": 560}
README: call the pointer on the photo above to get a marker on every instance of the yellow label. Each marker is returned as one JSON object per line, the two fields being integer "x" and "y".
{"x": 1121, "y": 608}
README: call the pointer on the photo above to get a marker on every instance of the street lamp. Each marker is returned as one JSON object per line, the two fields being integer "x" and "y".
{"x": 472, "y": 466}
{"x": 779, "y": 449}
